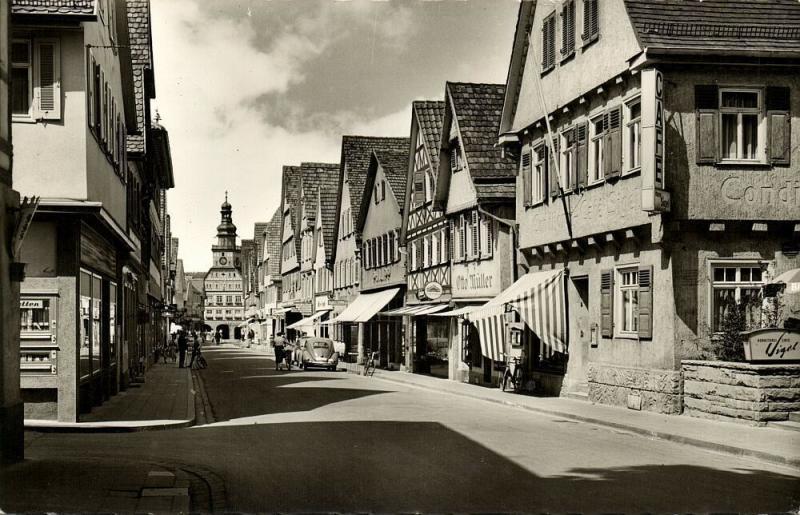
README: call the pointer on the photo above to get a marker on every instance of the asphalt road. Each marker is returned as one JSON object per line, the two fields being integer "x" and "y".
{"x": 330, "y": 441}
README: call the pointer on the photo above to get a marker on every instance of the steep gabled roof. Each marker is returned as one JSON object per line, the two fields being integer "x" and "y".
{"x": 394, "y": 162}
{"x": 740, "y": 26}
{"x": 273, "y": 243}
{"x": 477, "y": 109}
{"x": 292, "y": 177}
{"x": 321, "y": 180}
{"x": 356, "y": 152}
{"x": 429, "y": 117}
{"x": 141, "y": 50}
{"x": 258, "y": 238}
{"x": 66, "y": 7}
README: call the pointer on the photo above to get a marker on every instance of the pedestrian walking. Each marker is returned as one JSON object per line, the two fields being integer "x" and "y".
{"x": 217, "y": 336}
{"x": 195, "y": 348}
{"x": 182, "y": 344}
{"x": 250, "y": 336}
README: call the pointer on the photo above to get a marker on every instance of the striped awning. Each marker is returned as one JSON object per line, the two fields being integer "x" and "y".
{"x": 416, "y": 310}
{"x": 539, "y": 299}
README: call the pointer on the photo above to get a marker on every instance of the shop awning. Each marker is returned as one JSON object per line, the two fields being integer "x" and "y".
{"x": 365, "y": 306}
{"x": 416, "y": 310}
{"x": 457, "y": 312}
{"x": 308, "y": 321}
{"x": 282, "y": 311}
{"x": 539, "y": 299}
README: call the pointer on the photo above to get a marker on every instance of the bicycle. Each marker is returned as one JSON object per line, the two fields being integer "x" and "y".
{"x": 369, "y": 367}
{"x": 515, "y": 376}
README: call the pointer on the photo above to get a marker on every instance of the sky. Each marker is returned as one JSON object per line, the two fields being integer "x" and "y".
{"x": 247, "y": 86}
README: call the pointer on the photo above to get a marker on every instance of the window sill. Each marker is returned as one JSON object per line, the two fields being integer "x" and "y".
{"x": 632, "y": 171}
{"x": 595, "y": 184}
{"x": 547, "y": 70}
{"x": 565, "y": 57}
{"x": 627, "y": 336}
{"x": 587, "y": 42}
{"x": 535, "y": 204}
{"x": 23, "y": 119}
{"x": 743, "y": 162}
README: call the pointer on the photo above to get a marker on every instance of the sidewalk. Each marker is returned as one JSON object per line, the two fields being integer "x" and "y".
{"x": 765, "y": 443}
{"x": 164, "y": 401}
{"x": 84, "y": 485}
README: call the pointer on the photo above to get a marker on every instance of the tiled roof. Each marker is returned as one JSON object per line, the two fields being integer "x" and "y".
{"x": 273, "y": 243}
{"x": 496, "y": 191}
{"x": 82, "y": 7}
{"x": 141, "y": 59}
{"x": 292, "y": 178}
{"x": 395, "y": 166}
{"x": 734, "y": 25}
{"x": 478, "y": 108}
{"x": 356, "y": 152}
{"x": 429, "y": 116}
{"x": 323, "y": 179}
{"x": 258, "y": 238}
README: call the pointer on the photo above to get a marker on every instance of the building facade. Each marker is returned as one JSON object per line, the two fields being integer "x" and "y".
{"x": 425, "y": 230}
{"x": 659, "y": 180}
{"x": 475, "y": 189}
{"x": 353, "y": 167}
{"x": 223, "y": 283}
{"x": 269, "y": 277}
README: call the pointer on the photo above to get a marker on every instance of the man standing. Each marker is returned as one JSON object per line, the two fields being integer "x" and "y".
{"x": 182, "y": 348}
{"x": 217, "y": 336}
{"x": 195, "y": 348}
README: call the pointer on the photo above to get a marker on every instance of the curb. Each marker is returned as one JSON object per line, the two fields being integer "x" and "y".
{"x": 133, "y": 426}
{"x": 686, "y": 440}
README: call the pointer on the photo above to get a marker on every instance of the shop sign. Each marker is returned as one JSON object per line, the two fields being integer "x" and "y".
{"x": 654, "y": 197}
{"x": 772, "y": 345}
{"x": 433, "y": 290}
{"x": 31, "y": 304}
{"x": 322, "y": 303}
{"x": 476, "y": 279}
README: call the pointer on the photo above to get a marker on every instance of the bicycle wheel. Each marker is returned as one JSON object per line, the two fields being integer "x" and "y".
{"x": 518, "y": 379}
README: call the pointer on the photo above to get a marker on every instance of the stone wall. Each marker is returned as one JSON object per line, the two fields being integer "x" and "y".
{"x": 648, "y": 389}
{"x": 740, "y": 392}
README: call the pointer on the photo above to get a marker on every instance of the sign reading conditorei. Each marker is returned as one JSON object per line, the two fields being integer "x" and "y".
{"x": 772, "y": 345}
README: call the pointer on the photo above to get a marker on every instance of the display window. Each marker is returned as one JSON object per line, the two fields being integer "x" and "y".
{"x": 85, "y": 354}
{"x": 97, "y": 322}
{"x": 112, "y": 322}
{"x": 36, "y": 317}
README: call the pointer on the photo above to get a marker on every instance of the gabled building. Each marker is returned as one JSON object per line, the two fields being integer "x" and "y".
{"x": 476, "y": 190}
{"x": 658, "y": 150}
{"x": 269, "y": 277}
{"x": 353, "y": 167}
{"x": 289, "y": 310}
{"x": 425, "y": 230}
{"x": 317, "y": 182}
{"x": 383, "y": 268}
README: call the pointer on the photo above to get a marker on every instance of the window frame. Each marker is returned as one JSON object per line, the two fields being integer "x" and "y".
{"x": 549, "y": 60}
{"x": 596, "y": 138}
{"x": 735, "y": 285}
{"x": 538, "y": 161}
{"x": 619, "y": 288}
{"x": 759, "y": 111}
{"x": 567, "y": 154}
{"x": 628, "y": 167}
{"x": 18, "y": 117}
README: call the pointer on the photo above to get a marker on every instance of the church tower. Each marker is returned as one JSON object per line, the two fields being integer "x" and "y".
{"x": 226, "y": 253}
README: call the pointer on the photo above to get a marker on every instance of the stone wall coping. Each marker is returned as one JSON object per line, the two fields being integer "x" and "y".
{"x": 754, "y": 367}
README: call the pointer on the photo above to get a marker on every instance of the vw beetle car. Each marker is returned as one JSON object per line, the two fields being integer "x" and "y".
{"x": 319, "y": 353}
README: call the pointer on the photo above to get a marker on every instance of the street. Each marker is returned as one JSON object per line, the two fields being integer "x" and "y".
{"x": 330, "y": 441}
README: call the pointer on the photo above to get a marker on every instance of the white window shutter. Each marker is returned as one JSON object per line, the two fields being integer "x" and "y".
{"x": 47, "y": 82}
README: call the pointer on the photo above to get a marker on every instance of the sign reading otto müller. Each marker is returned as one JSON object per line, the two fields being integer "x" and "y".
{"x": 655, "y": 198}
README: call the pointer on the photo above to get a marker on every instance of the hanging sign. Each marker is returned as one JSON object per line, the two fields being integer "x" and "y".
{"x": 655, "y": 198}
{"x": 433, "y": 290}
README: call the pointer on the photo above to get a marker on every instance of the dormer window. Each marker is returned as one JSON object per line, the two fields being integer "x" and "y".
{"x": 456, "y": 162}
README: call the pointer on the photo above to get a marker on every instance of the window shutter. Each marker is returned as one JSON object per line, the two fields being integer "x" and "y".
{"x": 590, "y": 20}
{"x": 90, "y": 91}
{"x": 572, "y": 145}
{"x": 582, "y": 155}
{"x": 646, "y": 301}
{"x": 383, "y": 190}
{"x": 545, "y": 45}
{"x": 554, "y": 185}
{"x": 420, "y": 251}
{"x": 526, "y": 178}
{"x": 779, "y": 121}
{"x": 607, "y": 303}
{"x": 47, "y": 87}
{"x": 475, "y": 235}
{"x": 419, "y": 188}
{"x": 454, "y": 158}
{"x": 706, "y": 103}
{"x": 447, "y": 240}
{"x": 488, "y": 236}
{"x": 612, "y": 142}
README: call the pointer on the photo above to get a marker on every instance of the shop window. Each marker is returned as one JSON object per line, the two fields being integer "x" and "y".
{"x": 633, "y": 134}
{"x": 736, "y": 283}
{"x": 36, "y": 316}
